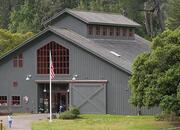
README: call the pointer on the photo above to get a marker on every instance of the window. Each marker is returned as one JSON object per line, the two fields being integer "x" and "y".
{"x": 131, "y": 33}
{"x": 60, "y": 59}
{"x": 124, "y": 32}
{"x": 111, "y": 33}
{"x": 104, "y": 31}
{"x": 3, "y": 101}
{"x": 90, "y": 29}
{"x": 15, "y": 83}
{"x": 97, "y": 30}
{"x": 15, "y": 100}
{"x": 118, "y": 31}
{"x": 18, "y": 61}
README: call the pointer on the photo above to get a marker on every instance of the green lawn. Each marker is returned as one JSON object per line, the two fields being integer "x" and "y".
{"x": 103, "y": 122}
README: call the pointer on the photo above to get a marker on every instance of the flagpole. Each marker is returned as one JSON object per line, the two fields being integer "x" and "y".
{"x": 50, "y": 88}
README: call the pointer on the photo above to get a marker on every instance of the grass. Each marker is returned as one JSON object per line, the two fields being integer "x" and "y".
{"x": 103, "y": 122}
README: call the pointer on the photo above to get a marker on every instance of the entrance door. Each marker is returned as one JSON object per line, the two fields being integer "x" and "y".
{"x": 60, "y": 99}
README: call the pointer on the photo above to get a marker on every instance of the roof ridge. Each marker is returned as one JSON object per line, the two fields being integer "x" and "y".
{"x": 94, "y": 11}
{"x": 105, "y": 21}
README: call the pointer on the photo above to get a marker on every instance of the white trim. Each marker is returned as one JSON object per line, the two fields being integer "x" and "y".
{"x": 72, "y": 81}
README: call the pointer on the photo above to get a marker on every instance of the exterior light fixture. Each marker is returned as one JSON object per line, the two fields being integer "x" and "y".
{"x": 74, "y": 77}
{"x": 68, "y": 90}
{"x": 45, "y": 90}
{"x": 28, "y": 77}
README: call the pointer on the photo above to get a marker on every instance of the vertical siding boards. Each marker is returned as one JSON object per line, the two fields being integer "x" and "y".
{"x": 72, "y": 23}
{"x": 82, "y": 63}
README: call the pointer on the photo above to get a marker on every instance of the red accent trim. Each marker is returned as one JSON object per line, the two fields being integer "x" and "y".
{"x": 60, "y": 59}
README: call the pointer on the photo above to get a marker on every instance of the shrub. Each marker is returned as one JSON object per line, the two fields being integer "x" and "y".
{"x": 75, "y": 111}
{"x": 72, "y": 113}
{"x": 67, "y": 115}
{"x": 166, "y": 117}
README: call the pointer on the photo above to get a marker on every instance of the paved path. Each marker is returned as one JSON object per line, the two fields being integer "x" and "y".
{"x": 23, "y": 122}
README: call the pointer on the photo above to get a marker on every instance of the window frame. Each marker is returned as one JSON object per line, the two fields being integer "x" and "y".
{"x": 111, "y": 31}
{"x": 98, "y": 30}
{"x": 124, "y": 32}
{"x": 6, "y": 101}
{"x": 131, "y": 32}
{"x": 90, "y": 30}
{"x": 18, "y": 61}
{"x": 15, "y": 100}
{"x": 60, "y": 58}
{"x": 118, "y": 31}
{"x": 104, "y": 30}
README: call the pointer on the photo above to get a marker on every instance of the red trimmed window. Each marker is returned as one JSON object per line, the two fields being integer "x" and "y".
{"x": 118, "y": 31}
{"x": 15, "y": 83}
{"x": 104, "y": 31}
{"x": 90, "y": 29}
{"x": 18, "y": 61}
{"x": 3, "y": 101}
{"x": 97, "y": 30}
{"x": 131, "y": 33}
{"x": 111, "y": 33}
{"x": 15, "y": 100}
{"x": 124, "y": 32}
{"x": 60, "y": 59}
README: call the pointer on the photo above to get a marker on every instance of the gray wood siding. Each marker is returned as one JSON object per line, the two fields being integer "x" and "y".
{"x": 82, "y": 63}
{"x": 72, "y": 23}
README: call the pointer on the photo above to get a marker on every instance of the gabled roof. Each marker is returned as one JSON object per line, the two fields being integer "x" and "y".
{"x": 97, "y": 18}
{"x": 99, "y": 48}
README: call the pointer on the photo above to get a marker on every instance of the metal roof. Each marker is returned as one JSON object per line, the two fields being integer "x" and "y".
{"x": 98, "y": 18}
{"x": 128, "y": 49}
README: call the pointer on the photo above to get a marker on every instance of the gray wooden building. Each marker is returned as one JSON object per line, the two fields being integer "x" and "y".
{"x": 92, "y": 54}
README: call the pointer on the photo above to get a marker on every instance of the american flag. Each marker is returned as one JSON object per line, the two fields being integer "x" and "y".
{"x": 52, "y": 75}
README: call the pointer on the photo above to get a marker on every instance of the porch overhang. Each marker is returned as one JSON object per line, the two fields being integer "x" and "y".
{"x": 72, "y": 81}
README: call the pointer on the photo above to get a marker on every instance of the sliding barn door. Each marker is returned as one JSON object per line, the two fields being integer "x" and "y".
{"x": 89, "y": 97}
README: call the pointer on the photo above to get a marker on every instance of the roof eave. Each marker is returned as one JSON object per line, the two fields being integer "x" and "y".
{"x": 112, "y": 24}
{"x": 68, "y": 39}
{"x": 84, "y": 20}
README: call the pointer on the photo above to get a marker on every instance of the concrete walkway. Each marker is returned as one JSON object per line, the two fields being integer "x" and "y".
{"x": 23, "y": 122}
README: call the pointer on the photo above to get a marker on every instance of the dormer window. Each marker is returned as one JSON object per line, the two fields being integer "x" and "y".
{"x": 111, "y": 33}
{"x": 104, "y": 31}
{"x": 118, "y": 31}
{"x": 131, "y": 33}
{"x": 97, "y": 30}
{"x": 90, "y": 29}
{"x": 124, "y": 32}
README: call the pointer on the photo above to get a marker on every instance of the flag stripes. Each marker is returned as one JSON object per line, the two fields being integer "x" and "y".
{"x": 52, "y": 74}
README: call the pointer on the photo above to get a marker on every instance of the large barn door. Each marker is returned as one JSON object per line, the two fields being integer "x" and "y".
{"x": 89, "y": 98}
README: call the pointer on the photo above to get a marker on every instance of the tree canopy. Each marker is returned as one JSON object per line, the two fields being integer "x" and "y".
{"x": 9, "y": 40}
{"x": 156, "y": 75}
{"x": 29, "y": 15}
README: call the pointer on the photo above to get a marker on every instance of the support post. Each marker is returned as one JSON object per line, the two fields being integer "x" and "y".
{"x": 1, "y": 124}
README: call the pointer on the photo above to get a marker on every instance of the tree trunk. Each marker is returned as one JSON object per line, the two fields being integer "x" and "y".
{"x": 146, "y": 21}
{"x": 159, "y": 14}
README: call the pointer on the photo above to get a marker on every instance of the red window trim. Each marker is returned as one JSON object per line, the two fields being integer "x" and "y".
{"x": 15, "y": 100}
{"x": 60, "y": 58}
{"x": 104, "y": 31}
{"x": 131, "y": 33}
{"x": 18, "y": 61}
{"x": 118, "y": 31}
{"x": 90, "y": 29}
{"x": 3, "y": 100}
{"x": 124, "y": 31}
{"x": 98, "y": 28}
{"x": 111, "y": 31}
